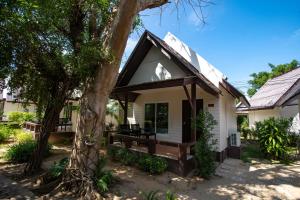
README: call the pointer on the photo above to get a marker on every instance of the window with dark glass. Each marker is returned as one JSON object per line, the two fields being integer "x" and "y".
{"x": 149, "y": 124}
{"x": 162, "y": 118}
{"x": 156, "y": 117}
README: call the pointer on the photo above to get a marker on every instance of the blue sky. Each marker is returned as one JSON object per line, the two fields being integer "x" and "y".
{"x": 240, "y": 36}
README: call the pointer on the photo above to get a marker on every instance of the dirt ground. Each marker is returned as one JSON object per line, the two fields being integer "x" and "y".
{"x": 233, "y": 180}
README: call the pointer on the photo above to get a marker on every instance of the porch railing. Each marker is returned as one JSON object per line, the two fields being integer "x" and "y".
{"x": 184, "y": 149}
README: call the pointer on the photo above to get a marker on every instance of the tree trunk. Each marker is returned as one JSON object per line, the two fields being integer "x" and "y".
{"x": 85, "y": 153}
{"x": 48, "y": 125}
{"x": 90, "y": 125}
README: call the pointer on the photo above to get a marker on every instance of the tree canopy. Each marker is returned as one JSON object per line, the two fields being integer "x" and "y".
{"x": 260, "y": 78}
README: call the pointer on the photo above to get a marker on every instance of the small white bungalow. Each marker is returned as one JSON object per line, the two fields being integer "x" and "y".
{"x": 168, "y": 84}
{"x": 278, "y": 97}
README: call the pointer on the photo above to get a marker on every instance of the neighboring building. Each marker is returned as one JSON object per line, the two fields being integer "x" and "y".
{"x": 9, "y": 102}
{"x": 278, "y": 97}
{"x": 168, "y": 84}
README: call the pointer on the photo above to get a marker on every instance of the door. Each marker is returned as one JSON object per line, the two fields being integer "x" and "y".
{"x": 186, "y": 119}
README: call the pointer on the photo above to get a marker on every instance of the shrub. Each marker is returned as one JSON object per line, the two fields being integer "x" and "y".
{"x": 152, "y": 195}
{"x": 204, "y": 154}
{"x": 126, "y": 157}
{"x": 148, "y": 163}
{"x": 273, "y": 136}
{"x": 5, "y": 132}
{"x": 22, "y": 136}
{"x": 112, "y": 152}
{"x": 152, "y": 164}
{"x": 103, "y": 178}
{"x": 58, "y": 168}
{"x": 21, "y": 152}
{"x": 21, "y": 117}
{"x": 170, "y": 196}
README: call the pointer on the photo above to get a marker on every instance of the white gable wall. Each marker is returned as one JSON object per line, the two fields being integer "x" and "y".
{"x": 156, "y": 66}
{"x": 228, "y": 122}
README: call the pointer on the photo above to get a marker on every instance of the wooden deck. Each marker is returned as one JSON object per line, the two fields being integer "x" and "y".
{"x": 160, "y": 150}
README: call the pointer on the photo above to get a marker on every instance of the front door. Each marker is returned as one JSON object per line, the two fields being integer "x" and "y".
{"x": 186, "y": 119}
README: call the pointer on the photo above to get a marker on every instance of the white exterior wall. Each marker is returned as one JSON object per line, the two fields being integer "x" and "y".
{"x": 228, "y": 121}
{"x": 17, "y": 107}
{"x": 156, "y": 66}
{"x": 260, "y": 115}
{"x": 174, "y": 98}
{"x": 286, "y": 112}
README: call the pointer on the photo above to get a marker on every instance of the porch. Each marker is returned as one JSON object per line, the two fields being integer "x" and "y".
{"x": 178, "y": 155}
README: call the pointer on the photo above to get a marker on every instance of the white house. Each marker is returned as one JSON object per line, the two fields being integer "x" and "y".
{"x": 168, "y": 84}
{"x": 278, "y": 97}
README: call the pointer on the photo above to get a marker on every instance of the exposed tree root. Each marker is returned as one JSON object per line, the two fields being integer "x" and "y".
{"x": 78, "y": 183}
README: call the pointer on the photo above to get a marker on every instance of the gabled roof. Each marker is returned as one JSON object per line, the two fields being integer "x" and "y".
{"x": 186, "y": 65}
{"x": 276, "y": 91}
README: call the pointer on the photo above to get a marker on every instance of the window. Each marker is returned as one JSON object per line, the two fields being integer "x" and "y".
{"x": 156, "y": 117}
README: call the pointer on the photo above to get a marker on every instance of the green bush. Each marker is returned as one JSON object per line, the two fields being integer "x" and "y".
{"x": 21, "y": 152}
{"x": 5, "y": 132}
{"x": 58, "y": 168}
{"x": 126, "y": 157}
{"x": 273, "y": 136}
{"x": 204, "y": 151}
{"x": 103, "y": 178}
{"x": 21, "y": 117}
{"x": 152, "y": 195}
{"x": 152, "y": 164}
{"x": 148, "y": 163}
{"x": 170, "y": 196}
{"x": 22, "y": 136}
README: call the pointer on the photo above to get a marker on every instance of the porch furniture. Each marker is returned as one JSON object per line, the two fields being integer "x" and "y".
{"x": 124, "y": 129}
{"x": 136, "y": 130}
{"x": 148, "y": 134}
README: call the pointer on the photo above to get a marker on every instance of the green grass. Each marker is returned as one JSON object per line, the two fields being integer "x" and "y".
{"x": 251, "y": 151}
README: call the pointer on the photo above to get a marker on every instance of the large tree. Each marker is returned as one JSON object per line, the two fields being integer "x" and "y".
{"x": 85, "y": 153}
{"x": 260, "y": 78}
{"x": 49, "y": 49}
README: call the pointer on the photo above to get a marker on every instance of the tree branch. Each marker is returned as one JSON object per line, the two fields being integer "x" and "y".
{"x": 148, "y": 4}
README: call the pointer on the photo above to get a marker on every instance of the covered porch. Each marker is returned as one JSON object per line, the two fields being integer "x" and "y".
{"x": 177, "y": 152}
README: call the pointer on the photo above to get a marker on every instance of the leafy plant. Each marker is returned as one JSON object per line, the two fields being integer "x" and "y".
{"x": 21, "y": 117}
{"x": 152, "y": 164}
{"x": 103, "y": 178}
{"x": 273, "y": 136}
{"x": 22, "y": 136}
{"x": 5, "y": 132}
{"x": 204, "y": 147}
{"x": 126, "y": 157}
{"x": 170, "y": 196}
{"x": 152, "y": 195}
{"x": 21, "y": 152}
{"x": 58, "y": 168}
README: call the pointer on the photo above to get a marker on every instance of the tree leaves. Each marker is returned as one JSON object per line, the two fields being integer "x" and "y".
{"x": 260, "y": 78}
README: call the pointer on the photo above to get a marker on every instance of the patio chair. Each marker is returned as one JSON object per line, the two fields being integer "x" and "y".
{"x": 136, "y": 130}
{"x": 124, "y": 129}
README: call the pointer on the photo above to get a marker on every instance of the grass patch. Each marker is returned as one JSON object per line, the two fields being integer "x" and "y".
{"x": 251, "y": 151}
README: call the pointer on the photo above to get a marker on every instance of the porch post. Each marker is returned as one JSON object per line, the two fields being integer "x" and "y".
{"x": 193, "y": 99}
{"x": 125, "y": 109}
